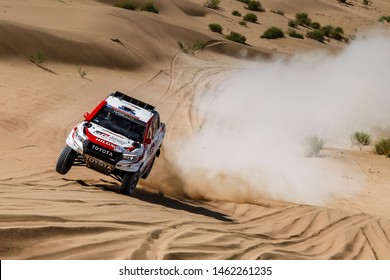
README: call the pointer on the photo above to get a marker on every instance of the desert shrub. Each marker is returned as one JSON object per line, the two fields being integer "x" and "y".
{"x": 382, "y": 147}
{"x": 367, "y": 2}
{"x": 332, "y": 32}
{"x": 236, "y": 13}
{"x": 82, "y": 72}
{"x": 302, "y": 19}
{"x": 342, "y": 1}
{"x": 213, "y": 4}
{"x": 336, "y": 35}
{"x": 315, "y": 25}
{"x": 315, "y": 35}
{"x": 244, "y": 1}
{"x": 293, "y": 33}
{"x": 216, "y": 27}
{"x": 314, "y": 145}
{"x": 37, "y": 58}
{"x": 361, "y": 139}
{"x": 273, "y": 33}
{"x": 279, "y": 12}
{"x": 191, "y": 47}
{"x": 292, "y": 23}
{"x": 254, "y": 6}
{"x": 384, "y": 19}
{"x": 149, "y": 7}
{"x": 242, "y": 22}
{"x": 236, "y": 37}
{"x": 129, "y": 5}
{"x": 326, "y": 30}
{"x": 250, "y": 17}
{"x": 339, "y": 29}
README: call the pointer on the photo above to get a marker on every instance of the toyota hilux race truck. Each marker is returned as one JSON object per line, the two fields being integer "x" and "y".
{"x": 121, "y": 137}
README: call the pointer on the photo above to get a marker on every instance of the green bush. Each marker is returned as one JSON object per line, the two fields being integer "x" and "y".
{"x": 315, "y": 35}
{"x": 339, "y": 29}
{"x": 293, "y": 33}
{"x": 215, "y": 27}
{"x": 384, "y": 19}
{"x": 242, "y": 22}
{"x": 149, "y": 7}
{"x": 244, "y": 1}
{"x": 236, "y": 13}
{"x": 254, "y": 6}
{"x": 213, "y": 4}
{"x": 382, "y": 147}
{"x": 37, "y": 58}
{"x": 326, "y": 30}
{"x": 273, "y": 33}
{"x": 250, "y": 17}
{"x": 236, "y": 37}
{"x": 361, "y": 139}
{"x": 129, "y": 5}
{"x": 292, "y": 23}
{"x": 314, "y": 145}
{"x": 315, "y": 25}
{"x": 332, "y": 32}
{"x": 302, "y": 19}
{"x": 190, "y": 48}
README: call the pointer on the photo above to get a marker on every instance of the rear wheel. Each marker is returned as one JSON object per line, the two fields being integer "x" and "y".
{"x": 66, "y": 160}
{"x": 129, "y": 182}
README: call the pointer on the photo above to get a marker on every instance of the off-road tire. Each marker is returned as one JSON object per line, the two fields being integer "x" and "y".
{"x": 65, "y": 160}
{"x": 129, "y": 182}
{"x": 146, "y": 174}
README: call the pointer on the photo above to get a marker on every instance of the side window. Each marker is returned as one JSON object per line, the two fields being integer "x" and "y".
{"x": 152, "y": 129}
{"x": 154, "y": 126}
{"x": 157, "y": 122}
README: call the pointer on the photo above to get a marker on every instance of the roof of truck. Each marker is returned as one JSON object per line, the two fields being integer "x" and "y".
{"x": 126, "y": 106}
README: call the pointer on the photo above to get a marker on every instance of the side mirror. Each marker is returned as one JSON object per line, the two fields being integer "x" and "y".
{"x": 148, "y": 141}
{"x": 86, "y": 114}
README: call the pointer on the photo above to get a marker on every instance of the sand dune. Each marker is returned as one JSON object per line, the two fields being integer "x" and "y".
{"x": 81, "y": 215}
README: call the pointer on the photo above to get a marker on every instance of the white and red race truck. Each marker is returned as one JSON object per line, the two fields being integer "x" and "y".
{"x": 121, "y": 137}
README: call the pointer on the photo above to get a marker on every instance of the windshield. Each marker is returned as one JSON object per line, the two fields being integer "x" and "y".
{"x": 120, "y": 123}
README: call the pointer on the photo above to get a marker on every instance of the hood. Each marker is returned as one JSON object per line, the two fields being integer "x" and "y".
{"x": 107, "y": 138}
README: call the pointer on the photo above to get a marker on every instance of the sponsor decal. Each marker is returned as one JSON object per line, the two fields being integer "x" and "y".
{"x": 127, "y": 109}
{"x": 99, "y": 162}
{"x": 106, "y": 143}
{"x": 102, "y": 150}
{"x": 151, "y": 150}
{"x": 114, "y": 139}
{"x": 119, "y": 149}
{"x": 111, "y": 138}
{"x": 102, "y": 134}
{"x": 120, "y": 112}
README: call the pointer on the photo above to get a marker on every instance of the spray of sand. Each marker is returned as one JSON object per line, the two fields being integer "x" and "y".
{"x": 254, "y": 125}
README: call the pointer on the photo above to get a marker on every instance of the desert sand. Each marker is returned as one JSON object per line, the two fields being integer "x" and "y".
{"x": 181, "y": 211}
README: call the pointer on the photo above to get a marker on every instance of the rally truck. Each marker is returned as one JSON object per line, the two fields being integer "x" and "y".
{"x": 121, "y": 138}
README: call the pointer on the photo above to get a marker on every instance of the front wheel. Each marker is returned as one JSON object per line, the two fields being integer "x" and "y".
{"x": 66, "y": 160}
{"x": 129, "y": 182}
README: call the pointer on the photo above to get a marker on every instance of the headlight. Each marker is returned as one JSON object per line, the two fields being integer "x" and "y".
{"x": 131, "y": 157}
{"x": 79, "y": 136}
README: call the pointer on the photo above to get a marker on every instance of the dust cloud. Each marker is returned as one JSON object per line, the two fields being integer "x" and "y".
{"x": 251, "y": 143}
